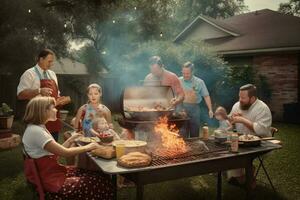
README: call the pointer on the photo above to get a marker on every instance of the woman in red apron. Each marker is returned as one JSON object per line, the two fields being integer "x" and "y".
{"x": 62, "y": 182}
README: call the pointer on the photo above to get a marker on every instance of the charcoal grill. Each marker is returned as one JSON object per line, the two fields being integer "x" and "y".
{"x": 195, "y": 152}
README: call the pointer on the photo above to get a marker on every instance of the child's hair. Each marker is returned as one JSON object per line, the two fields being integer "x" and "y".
{"x": 94, "y": 85}
{"x": 96, "y": 121}
{"x": 221, "y": 111}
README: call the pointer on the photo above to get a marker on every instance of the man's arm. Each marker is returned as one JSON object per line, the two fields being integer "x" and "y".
{"x": 261, "y": 125}
{"x": 243, "y": 120}
{"x": 209, "y": 106}
{"x": 28, "y": 94}
{"x": 179, "y": 91}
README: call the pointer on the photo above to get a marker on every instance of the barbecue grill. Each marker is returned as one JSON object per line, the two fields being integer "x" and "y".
{"x": 197, "y": 150}
{"x": 146, "y": 102}
{"x": 141, "y": 107}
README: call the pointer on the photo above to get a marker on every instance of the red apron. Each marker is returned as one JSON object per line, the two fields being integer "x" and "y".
{"x": 52, "y": 174}
{"x": 52, "y": 126}
{"x": 49, "y": 83}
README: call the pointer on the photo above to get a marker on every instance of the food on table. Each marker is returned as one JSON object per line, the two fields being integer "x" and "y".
{"x": 134, "y": 159}
{"x": 88, "y": 139}
{"x": 246, "y": 138}
{"x": 104, "y": 152}
{"x": 106, "y": 137}
{"x": 130, "y": 143}
{"x": 138, "y": 108}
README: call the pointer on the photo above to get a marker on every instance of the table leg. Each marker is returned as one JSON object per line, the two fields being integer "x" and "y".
{"x": 219, "y": 186}
{"x": 115, "y": 186}
{"x": 139, "y": 191}
{"x": 249, "y": 180}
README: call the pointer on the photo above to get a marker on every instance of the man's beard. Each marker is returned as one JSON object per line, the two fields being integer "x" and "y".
{"x": 245, "y": 106}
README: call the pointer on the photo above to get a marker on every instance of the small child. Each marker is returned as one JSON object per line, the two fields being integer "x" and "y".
{"x": 222, "y": 117}
{"x": 100, "y": 125}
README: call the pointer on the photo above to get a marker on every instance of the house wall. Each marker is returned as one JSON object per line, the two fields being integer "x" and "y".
{"x": 282, "y": 72}
{"x": 205, "y": 31}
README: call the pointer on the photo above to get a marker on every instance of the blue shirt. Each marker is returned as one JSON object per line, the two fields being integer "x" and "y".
{"x": 197, "y": 85}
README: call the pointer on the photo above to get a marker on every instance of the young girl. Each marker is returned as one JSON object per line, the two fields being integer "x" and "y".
{"x": 62, "y": 182}
{"x": 93, "y": 108}
{"x": 100, "y": 125}
{"x": 222, "y": 117}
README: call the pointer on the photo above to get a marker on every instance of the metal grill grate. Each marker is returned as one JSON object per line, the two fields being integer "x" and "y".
{"x": 196, "y": 152}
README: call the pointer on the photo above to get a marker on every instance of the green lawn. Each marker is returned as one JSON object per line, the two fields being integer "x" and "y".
{"x": 283, "y": 167}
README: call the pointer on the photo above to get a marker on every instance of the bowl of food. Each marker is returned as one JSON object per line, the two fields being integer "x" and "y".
{"x": 106, "y": 137}
{"x": 220, "y": 136}
{"x": 132, "y": 145}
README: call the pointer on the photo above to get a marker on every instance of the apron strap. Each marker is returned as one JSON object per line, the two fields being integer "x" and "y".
{"x": 39, "y": 74}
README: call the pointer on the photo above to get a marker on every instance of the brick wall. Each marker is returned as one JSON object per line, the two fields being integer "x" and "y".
{"x": 282, "y": 73}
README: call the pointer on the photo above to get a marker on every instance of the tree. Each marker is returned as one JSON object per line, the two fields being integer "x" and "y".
{"x": 188, "y": 10}
{"x": 24, "y": 33}
{"x": 292, "y": 7}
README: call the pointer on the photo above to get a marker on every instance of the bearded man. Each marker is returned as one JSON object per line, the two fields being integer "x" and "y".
{"x": 251, "y": 115}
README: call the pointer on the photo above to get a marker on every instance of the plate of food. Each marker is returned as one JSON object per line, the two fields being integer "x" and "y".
{"x": 87, "y": 140}
{"x": 249, "y": 140}
{"x": 134, "y": 160}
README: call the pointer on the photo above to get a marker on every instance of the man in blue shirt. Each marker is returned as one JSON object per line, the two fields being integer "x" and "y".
{"x": 194, "y": 90}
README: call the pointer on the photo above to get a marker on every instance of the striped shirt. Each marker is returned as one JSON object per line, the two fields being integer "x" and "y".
{"x": 259, "y": 113}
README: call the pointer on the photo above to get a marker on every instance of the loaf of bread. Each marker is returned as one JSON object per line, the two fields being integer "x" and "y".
{"x": 107, "y": 152}
{"x": 134, "y": 159}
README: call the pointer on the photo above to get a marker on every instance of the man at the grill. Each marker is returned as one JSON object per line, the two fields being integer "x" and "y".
{"x": 194, "y": 90}
{"x": 250, "y": 116}
{"x": 160, "y": 76}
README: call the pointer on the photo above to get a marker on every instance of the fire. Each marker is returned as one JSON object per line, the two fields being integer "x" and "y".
{"x": 171, "y": 142}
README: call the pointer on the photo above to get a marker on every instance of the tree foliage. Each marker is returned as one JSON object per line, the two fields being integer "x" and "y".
{"x": 26, "y": 27}
{"x": 292, "y": 7}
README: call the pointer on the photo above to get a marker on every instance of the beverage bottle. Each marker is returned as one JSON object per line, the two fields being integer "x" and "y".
{"x": 234, "y": 147}
{"x": 205, "y": 132}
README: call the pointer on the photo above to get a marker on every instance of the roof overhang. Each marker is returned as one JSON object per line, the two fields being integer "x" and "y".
{"x": 200, "y": 17}
{"x": 253, "y": 51}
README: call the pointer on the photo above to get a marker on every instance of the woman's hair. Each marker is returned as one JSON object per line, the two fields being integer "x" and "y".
{"x": 94, "y": 85}
{"x": 221, "y": 111}
{"x": 36, "y": 110}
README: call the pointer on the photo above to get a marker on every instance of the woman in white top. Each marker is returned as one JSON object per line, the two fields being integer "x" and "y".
{"x": 62, "y": 182}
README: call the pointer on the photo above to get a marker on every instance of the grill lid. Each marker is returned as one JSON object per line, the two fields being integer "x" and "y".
{"x": 146, "y": 102}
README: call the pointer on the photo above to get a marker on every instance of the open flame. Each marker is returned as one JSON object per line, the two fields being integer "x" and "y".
{"x": 170, "y": 140}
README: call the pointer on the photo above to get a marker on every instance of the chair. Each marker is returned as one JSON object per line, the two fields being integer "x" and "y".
{"x": 31, "y": 163}
{"x": 261, "y": 162}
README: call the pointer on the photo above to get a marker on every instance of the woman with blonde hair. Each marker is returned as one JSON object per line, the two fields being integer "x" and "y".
{"x": 62, "y": 182}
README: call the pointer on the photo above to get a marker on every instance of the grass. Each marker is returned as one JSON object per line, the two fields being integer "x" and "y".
{"x": 282, "y": 165}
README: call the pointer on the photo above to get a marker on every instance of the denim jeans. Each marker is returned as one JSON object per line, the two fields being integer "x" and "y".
{"x": 192, "y": 126}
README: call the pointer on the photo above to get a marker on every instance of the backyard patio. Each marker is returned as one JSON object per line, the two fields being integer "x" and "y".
{"x": 149, "y": 82}
{"x": 282, "y": 165}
